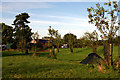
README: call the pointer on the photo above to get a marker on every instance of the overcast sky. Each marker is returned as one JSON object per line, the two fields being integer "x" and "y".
{"x": 64, "y": 16}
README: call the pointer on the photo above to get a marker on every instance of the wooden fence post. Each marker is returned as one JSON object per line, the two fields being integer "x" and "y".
{"x": 110, "y": 54}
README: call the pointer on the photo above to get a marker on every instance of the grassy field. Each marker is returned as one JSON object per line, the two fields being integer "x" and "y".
{"x": 67, "y": 65}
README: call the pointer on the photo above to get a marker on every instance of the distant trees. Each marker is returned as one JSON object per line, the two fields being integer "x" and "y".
{"x": 22, "y": 32}
{"x": 105, "y": 20}
{"x": 92, "y": 40}
{"x": 7, "y": 33}
{"x": 70, "y": 40}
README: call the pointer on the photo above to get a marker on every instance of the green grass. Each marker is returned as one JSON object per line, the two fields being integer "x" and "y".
{"x": 67, "y": 65}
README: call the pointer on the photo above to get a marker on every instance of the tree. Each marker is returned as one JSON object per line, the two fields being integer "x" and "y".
{"x": 35, "y": 37}
{"x": 53, "y": 34}
{"x": 105, "y": 20}
{"x": 70, "y": 40}
{"x": 58, "y": 40}
{"x": 7, "y": 33}
{"x": 92, "y": 39}
{"x": 22, "y": 32}
{"x": 83, "y": 41}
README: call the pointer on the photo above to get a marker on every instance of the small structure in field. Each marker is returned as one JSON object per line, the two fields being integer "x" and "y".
{"x": 92, "y": 58}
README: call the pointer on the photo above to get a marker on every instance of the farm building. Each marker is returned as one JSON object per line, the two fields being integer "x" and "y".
{"x": 42, "y": 42}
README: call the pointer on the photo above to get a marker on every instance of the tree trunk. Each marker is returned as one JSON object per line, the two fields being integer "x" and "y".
{"x": 71, "y": 49}
{"x": 26, "y": 49}
{"x": 35, "y": 51}
{"x": 58, "y": 48}
{"x": 26, "y": 52}
{"x": 53, "y": 50}
{"x": 106, "y": 49}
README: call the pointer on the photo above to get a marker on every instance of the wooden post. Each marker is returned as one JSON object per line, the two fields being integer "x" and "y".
{"x": 110, "y": 54}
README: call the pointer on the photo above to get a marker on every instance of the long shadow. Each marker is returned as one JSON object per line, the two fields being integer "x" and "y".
{"x": 40, "y": 54}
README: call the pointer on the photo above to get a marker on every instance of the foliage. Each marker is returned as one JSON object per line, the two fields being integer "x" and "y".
{"x": 7, "y": 33}
{"x": 67, "y": 37}
{"x": 92, "y": 39}
{"x": 105, "y": 19}
{"x": 70, "y": 39}
{"x": 22, "y": 32}
{"x": 83, "y": 42}
{"x": 55, "y": 39}
{"x": 35, "y": 37}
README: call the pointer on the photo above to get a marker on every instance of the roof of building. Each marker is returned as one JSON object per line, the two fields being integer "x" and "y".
{"x": 43, "y": 40}
{"x": 40, "y": 40}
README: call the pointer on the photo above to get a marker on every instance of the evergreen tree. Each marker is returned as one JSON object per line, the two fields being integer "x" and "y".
{"x": 22, "y": 32}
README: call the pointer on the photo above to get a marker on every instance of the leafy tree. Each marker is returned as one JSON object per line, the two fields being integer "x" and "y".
{"x": 105, "y": 20}
{"x": 22, "y": 32}
{"x": 57, "y": 40}
{"x": 117, "y": 40}
{"x": 52, "y": 33}
{"x": 83, "y": 41}
{"x": 7, "y": 33}
{"x": 35, "y": 37}
{"x": 77, "y": 43}
{"x": 92, "y": 39}
{"x": 70, "y": 40}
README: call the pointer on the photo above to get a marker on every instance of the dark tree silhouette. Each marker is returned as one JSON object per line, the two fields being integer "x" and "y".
{"x": 7, "y": 33}
{"x": 22, "y": 32}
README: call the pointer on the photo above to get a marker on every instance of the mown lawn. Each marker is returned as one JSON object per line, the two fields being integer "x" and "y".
{"x": 67, "y": 65}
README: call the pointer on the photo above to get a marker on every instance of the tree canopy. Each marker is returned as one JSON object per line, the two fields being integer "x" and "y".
{"x": 70, "y": 39}
{"x": 105, "y": 19}
{"x": 7, "y": 33}
{"x": 22, "y": 32}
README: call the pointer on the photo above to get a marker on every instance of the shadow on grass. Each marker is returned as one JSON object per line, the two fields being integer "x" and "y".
{"x": 17, "y": 53}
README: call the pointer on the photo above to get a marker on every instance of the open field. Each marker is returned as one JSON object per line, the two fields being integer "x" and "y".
{"x": 67, "y": 65}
